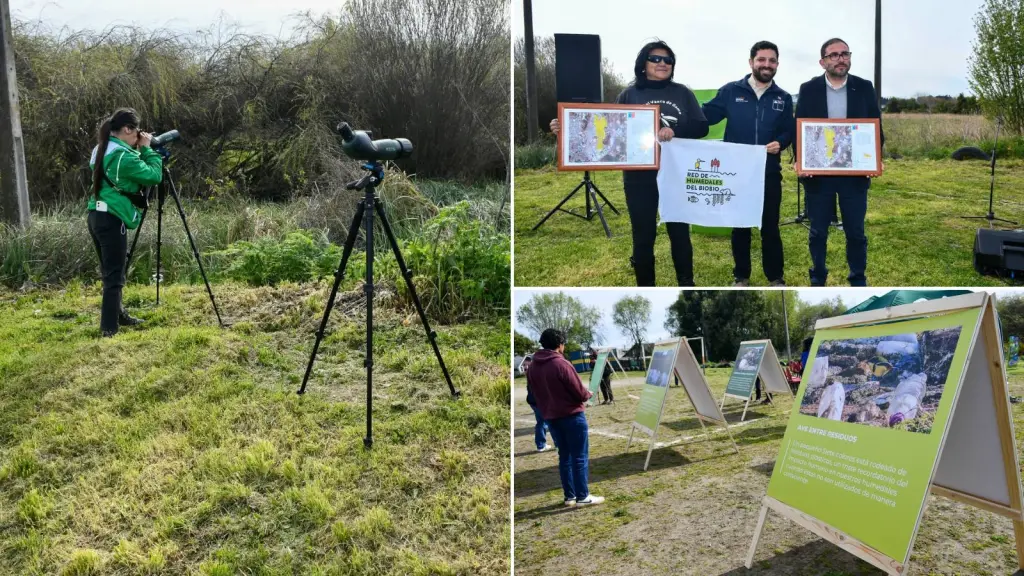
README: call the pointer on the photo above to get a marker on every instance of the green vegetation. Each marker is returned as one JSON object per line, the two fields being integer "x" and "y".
{"x": 456, "y": 245}
{"x": 257, "y": 112}
{"x": 182, "y": 448}
{"x": 915, "y": 235}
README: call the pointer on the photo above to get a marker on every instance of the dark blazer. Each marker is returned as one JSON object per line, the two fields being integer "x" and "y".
{"x": 861, "y": 101}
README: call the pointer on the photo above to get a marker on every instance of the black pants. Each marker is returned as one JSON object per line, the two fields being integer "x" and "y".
{"x": 606, "y": 389}
{"x": 771, "y": 239}
{"x": 853, "y": 204}
{"x": 111, "y": 240}
{"x": 642, "y": 203}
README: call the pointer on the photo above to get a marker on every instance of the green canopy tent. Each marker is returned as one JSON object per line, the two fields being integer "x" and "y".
{"x": 898, "y": 297}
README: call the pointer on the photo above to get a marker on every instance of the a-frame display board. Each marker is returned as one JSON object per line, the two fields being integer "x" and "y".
{"x": 604, "y": 356}
{"x": 914, "y": 401}
{"x": 756, "y": 358}
{"x": 674, "y": 357}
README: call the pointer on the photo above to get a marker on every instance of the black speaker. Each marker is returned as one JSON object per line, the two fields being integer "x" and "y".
{"x": 578, "y": 68}
{"x": 999, "y": 252}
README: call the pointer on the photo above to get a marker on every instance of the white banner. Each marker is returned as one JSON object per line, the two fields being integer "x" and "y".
{"x": 711, "y": 183}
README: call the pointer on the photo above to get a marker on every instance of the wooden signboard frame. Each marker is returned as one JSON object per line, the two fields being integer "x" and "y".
{"x": 686, "y": 368}
{"x": 960, "y": 471}
{"x": 773, "y": 379}
{"x": 564, "y": 108}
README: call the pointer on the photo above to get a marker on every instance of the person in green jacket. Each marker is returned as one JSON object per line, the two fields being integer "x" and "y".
{"x": 123, "y": 165}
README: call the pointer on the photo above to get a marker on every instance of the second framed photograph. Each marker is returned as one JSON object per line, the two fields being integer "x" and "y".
{"x": 608, "y": 137}
{"x": 838, "y": 147}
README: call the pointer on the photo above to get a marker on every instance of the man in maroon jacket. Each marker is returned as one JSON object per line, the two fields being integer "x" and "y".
{"x": 561, "y": 397}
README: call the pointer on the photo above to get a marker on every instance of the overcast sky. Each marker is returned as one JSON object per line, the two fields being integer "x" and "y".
{"x": 662, "y": 298}
{"x": 925, "y": 44}
{"x": 256, "y": 16}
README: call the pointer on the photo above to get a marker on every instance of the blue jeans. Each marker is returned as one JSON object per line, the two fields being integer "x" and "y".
{"x": 570, "y": 435}
{"x": 540, "y": 431}
{"x": 853, "y": 206}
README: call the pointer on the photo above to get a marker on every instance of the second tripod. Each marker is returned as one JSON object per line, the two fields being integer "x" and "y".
{"x": 167, "y": 184}
{"x": 363, "y": 218}
{"x": 591, "y": 192}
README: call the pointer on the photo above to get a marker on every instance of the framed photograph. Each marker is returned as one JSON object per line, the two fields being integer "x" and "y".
{"x": 608, "y": 137}
{"x": 838, "y": 147}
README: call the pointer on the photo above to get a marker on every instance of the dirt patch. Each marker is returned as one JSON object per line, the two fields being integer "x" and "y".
{"x": 695, "y": 509}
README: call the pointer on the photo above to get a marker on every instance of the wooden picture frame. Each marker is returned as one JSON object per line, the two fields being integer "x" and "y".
{"x": 847, "y": 125}
{"x": 567, "y": 138}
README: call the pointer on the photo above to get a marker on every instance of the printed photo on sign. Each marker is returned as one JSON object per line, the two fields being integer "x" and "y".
{"x": 888, "y": 381}
{"x": 660, "y": 369}
{"x": 748, "y": 362}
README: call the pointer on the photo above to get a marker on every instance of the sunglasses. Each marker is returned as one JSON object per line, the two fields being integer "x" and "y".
{"x": 656, "y": 59}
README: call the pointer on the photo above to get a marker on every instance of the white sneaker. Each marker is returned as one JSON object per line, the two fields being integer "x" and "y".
{"x": 570, "y": 502}
{"x": 590, "y": 500}
{"x": 547, "y": 448}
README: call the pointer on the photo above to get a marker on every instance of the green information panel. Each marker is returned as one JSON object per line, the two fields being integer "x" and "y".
{"x": 652, "y": 396}
{"x": 748, "y": 362}
{"x": 867, "y": 426}
{"x": 595, "y": 376}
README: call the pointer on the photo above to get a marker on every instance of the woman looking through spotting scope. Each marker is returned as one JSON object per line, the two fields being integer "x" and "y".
{"x": 123, "y": 164}
{"x": 681, "y": 117}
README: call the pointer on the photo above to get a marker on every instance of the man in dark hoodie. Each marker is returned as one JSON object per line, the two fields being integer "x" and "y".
{"x": 561, "y": 398}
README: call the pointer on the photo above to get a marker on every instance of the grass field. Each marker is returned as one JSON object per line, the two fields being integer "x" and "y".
{"x": 694, "y": 511}
{"x": 182, "y": 448}
{"x": 915, "y": 235}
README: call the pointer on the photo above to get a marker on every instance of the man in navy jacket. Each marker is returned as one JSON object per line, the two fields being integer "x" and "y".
{"x": 838, "y": 94}
{"x": 760, "y": 113}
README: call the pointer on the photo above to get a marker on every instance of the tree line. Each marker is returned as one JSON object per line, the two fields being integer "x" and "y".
{"x": 724, "y": 318}
{"x": 258, "y": 113}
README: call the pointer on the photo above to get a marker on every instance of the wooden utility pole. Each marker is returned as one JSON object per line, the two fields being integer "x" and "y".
{"x": 531, "y": 73}
{"x": 13, "y": 183}
{"x": 878, "y": 52}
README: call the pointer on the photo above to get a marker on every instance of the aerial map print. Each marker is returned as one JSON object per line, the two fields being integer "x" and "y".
{"x": 597, "y": 137}
{"x": 612, "y": 137}
{"x": 838, "y": 147}
{"x": 828, "y": 147}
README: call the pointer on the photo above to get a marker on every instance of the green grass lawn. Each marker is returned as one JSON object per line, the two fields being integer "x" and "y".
{"x": 182, "y": 448}
{"x": 694, "y": 511}
{"x": 915, "y": 237}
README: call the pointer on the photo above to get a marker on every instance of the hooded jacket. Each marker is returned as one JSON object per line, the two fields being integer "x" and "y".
{"x": 555, "y": 386}
{"x": 130, "y": 170}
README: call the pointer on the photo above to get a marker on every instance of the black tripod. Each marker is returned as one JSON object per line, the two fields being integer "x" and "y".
{"x": 367, "y": 206}
{"x": 991, "y": 216}
{"x": 591, "y": 194}
{"x": 801, "y": 216}
{"x": 168, "y": 184}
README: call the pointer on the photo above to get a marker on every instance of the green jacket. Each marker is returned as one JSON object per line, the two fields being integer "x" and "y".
{"x": 130, "y": 170}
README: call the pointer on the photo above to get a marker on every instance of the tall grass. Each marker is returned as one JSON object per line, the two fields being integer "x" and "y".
{"x": 458, "y": 246}
{"x": 257, "y": 112}
{"x": 936, "y": 136}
